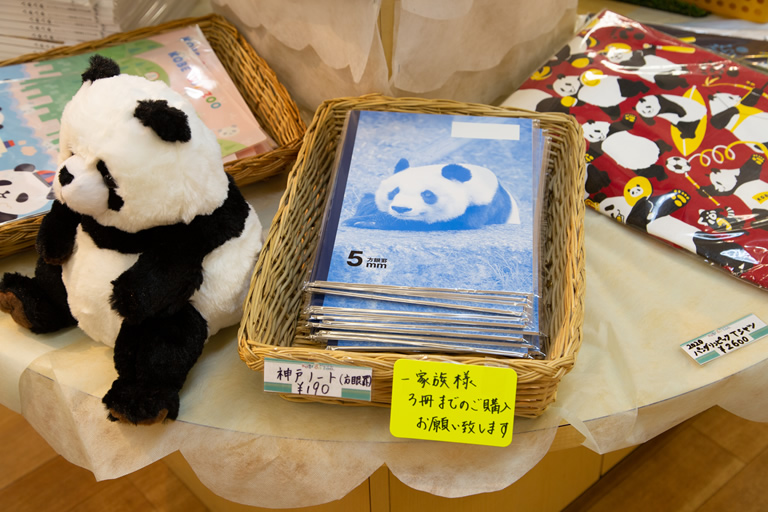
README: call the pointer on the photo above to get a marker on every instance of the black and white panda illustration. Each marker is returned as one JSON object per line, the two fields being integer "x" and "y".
{"x": 647, "y": 207}
{"x": 742, "y": 182}
{"x": 646, "y": 64}
{"x": 740, "y": 116}
{"x": 638, "y": 154}
{"x": 719, "y": 219}
{"x": 436, "y": 197}
{"x": 684, "y": 113}
{"x": 22, "y": 192}
{"x": 149, "y": 244}
{"x": 595, "y": 88}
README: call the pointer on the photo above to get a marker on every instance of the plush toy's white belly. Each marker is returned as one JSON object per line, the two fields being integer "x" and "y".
{"x": 88, "y": 276}
{"x": 227, "y": 277}
{"x": 89, "y": 272}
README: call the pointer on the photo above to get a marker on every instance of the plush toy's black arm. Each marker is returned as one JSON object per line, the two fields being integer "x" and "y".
{"x": 170, "y": 270}
{"x": 56, "y": 236}
{"x": 157, "y": 284}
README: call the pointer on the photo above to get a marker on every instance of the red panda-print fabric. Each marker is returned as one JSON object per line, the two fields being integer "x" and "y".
{"x": 677, "y": 138}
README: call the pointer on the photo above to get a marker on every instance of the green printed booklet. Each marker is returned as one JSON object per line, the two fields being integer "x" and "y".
{"x": 33, "y": 96}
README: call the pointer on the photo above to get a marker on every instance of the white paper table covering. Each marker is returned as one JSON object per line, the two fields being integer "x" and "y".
{"x": 631, "y": 382}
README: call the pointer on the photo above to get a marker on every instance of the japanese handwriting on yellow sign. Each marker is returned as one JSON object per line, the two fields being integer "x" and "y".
{"x": 453, "y": 402}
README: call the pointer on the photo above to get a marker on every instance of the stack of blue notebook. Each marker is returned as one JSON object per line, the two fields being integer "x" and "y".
{"x": 431, "y": 234}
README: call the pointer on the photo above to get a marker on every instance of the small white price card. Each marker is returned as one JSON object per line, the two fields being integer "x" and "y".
{"x": 726, "y": 339}
{"x": 318, "y": 379}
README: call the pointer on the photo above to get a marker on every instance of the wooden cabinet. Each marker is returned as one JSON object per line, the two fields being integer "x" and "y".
{"x": 559, "y": 478}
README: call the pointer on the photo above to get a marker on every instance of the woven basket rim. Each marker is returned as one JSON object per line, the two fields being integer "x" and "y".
{"x": 539, "y": 375}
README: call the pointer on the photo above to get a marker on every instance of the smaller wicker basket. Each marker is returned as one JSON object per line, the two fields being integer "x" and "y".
{"x": 269, "y": 326}
{"x": 265, "y": 95}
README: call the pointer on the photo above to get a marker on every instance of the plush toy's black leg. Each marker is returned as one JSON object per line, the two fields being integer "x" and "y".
{"x": 153, "y": 359}
{"x": 39, "y": 303}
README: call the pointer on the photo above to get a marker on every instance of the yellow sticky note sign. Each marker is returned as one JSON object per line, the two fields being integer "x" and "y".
{"x": 450, "y": 402}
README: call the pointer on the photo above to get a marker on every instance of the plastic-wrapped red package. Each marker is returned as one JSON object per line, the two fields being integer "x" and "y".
{"x": 676, "y": 137}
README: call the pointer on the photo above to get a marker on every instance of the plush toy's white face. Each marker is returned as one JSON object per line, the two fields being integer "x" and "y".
{"x": 435, "y": 193}
{"x": 115, "y": 166}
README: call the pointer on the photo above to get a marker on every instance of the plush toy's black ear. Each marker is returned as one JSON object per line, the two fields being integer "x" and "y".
{"x": 101, "y": 67}
{"x": 169, "y": 123}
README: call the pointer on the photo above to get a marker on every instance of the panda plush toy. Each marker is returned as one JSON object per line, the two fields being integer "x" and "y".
{"x": 148, "y": 246}
{"x": 436, "y": 197}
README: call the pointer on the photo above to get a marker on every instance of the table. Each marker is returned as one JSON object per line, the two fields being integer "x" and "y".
{"x": 631, "y": 382}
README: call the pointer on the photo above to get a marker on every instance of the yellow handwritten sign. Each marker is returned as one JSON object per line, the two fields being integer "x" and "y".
{"x": 450, "y": 402}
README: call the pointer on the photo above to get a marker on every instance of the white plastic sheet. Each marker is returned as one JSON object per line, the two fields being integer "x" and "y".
{"x": 471, "y": 50}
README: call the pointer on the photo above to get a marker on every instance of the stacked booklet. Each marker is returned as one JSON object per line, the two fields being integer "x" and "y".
{"x": 430, "y": 239}
{"x": 41, "y": 25}
{"x": 34, "y": 94}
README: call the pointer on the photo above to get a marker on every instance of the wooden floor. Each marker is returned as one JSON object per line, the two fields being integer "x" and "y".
{"x": 713, "y": 462}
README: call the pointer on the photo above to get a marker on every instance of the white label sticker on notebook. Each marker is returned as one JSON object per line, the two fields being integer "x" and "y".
{"x": 317, "y": 379}
{"x": 726, "y": 339}
{"x": 491, "y": 131}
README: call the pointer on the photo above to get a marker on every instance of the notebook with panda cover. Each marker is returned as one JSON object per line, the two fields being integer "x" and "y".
{"x": 34, "y": 94}
{"x": 433, "y": 214}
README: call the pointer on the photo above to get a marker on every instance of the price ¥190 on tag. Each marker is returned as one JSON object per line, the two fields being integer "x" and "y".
{"x": 318, "y": 379}
{"x": 726, "y": 339}
{"x": 453, "y": 402}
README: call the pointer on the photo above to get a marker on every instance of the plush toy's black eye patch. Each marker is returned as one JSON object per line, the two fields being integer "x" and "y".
{"x": 393, "y": 193}
{"x": 169, "y": 123}
{"x": 114, "y": 201}
{"x": 429, "y": 197}
{"x": 109, "y": 181}
{"x": 22, "y": 198}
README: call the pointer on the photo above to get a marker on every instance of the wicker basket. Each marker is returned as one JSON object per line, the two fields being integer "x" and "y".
{"x": 272, "y": 308}
{"x": 267, "y": 98}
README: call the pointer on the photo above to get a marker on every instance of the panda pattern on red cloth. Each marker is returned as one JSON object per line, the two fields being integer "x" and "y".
{"x": 632, "y": 152}
{"x": 741, "y": 116}
{"x": 436, "y": 197}
{"x": 648, "y": 65}
{"x": 149, "y": 245}
{"x": 696, "y": 134}
{"x": 683, "y": 113}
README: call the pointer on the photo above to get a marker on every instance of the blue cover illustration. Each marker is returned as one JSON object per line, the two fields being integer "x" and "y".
{"x": 433, "y": 201}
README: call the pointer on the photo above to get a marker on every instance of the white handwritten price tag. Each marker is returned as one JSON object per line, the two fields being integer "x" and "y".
{"x": 726, "y": 339}
{"x": 318, "y": 379}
